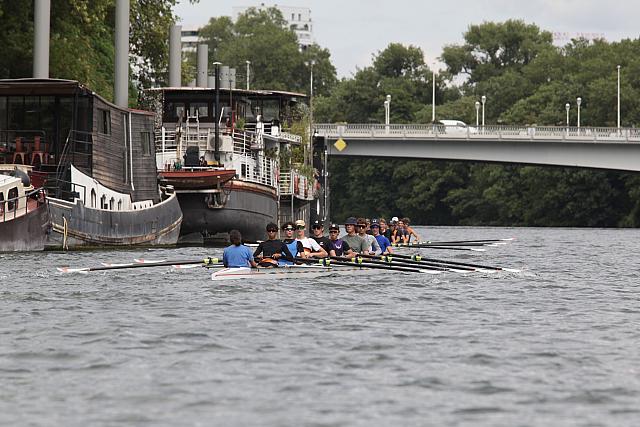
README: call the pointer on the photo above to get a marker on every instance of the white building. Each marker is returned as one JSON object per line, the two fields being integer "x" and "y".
{"x": 190, "y": 39}
{"x": 298, "y": 19}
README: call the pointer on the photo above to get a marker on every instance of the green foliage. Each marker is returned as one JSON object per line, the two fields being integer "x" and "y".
{"x": 527, "y": 81}
{"x": 277, "y": 63}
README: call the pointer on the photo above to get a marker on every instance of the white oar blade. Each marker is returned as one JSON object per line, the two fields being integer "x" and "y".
{"x": 477, "y": 249}
{"x": 511, "y": 270}
{"x": 185, "y": 266}
{"x": 148, "y": 261}
{"x": 110, "y": 264}
{"x": 72, "y": 270}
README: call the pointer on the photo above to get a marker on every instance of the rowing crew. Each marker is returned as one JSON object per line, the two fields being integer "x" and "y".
{"x": 274, "y": 252}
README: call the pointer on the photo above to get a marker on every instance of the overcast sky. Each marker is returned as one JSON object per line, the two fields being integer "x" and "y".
{"x": 354, "y": 30}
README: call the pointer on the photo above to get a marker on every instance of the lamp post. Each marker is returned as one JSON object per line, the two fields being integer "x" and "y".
{"x": 248, "y": 64}
{"x": 477, "y": 113}
{"x": 567, "y": 107}
{"x": 387, "y": 113}
{"x": 484, "y": 100}
{"x": 311, "y": 64}
{"x": 618, "y": 67}
{"x": 433, "y": 96}
{"x": 578, "y": 102}
{"x": 216, "y": 146}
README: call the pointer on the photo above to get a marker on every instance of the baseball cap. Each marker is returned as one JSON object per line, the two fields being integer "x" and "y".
{"x": 374, "y": 223}
{"x": 272, "y": 227}
{"x": 334, "y": 227}
{"x": 350, "y": 221}
{"x": 394, "y": 219}
{"x": 317, "y": 224}
{"x": 300, "y": 223}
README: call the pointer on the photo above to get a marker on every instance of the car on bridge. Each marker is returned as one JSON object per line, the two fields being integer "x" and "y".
{"x": 457, "y": 127}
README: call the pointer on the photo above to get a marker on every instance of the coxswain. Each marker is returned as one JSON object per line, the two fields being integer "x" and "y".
{"x": 311, "y": 247}
{"x": 385, "y": 244}
{"x": 340, "y": 247}
{"x": 237, "y": 255}
{"x": 295, "y": 246}
{"x": 318, "y": 235}
{"x": 355, "y": 242}
{"x": 269, "y": 251}
{"x": 372, "y": 244}
{"x": 410, "y": 231}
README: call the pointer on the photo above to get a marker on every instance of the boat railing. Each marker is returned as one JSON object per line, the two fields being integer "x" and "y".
{"x": 293, "y": 183}
{"x": 14, "y": 207}
{"x": 77, "y": 150}
{"x": 256, "y": 169}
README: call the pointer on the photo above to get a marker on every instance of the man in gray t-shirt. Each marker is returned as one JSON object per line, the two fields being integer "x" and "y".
{"x": 355, "y": 242}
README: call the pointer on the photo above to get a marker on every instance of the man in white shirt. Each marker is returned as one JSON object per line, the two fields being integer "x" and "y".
{"x": 311, "y": 247}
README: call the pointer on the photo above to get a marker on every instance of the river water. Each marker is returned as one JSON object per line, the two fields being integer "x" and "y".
{"x": 557, "y": 344}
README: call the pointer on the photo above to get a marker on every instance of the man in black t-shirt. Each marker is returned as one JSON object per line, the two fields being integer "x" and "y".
{"x": 324, "y": 242}
{"x": 269, "y": 251}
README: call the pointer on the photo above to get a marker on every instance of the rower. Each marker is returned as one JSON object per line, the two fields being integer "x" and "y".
{"x": 385, "y": 244}
{"x": 311, "y": 247}
{"x": 355, "y": 242}
{"x": 295, "y": 247}
{"x": 340, "y": 247}
{"x": 372, "y": 244}
{"x": 384, "y": 228}
{"x": 269, "y": 251}
{"x": 400, "y": 234}
{"x": 318, "y": 235}
{"x": 409, "y": 230}
{"x": 237, "y": 255}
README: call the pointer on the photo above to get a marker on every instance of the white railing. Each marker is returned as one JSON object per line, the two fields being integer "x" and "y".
{"x": 293, "y": 183}
{"x": 260, "y": 170}
{"x": 541, "y": 133}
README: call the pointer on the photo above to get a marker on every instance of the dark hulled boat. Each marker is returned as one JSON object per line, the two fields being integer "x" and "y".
{"x": 96, "y": 160}
{"x": 262, "y": 189}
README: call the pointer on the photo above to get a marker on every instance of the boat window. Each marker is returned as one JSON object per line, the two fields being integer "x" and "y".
{"x": 93, "y": 198}
{"x": 12, "y": 194}
{"x": 199, "y": 108}
{"x": 174, "y": 111}
{"x": 243, "y": 170}
{"x": 31, "y": 112}
{"x": 270, "y": 110}
{"x": 104, "y": 121}
{"x": 15, "y": 115}
{"x": 119, "y": 205}
{"x": 146, "y": 141}
{"x": 103, "y": 202}
{"x": 112, "y": 203}
{"x": 1, "y": 203}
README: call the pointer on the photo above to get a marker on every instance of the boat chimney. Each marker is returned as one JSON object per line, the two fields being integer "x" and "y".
{"x": 175, "y": 56}
{"x": 232, "y": 78}
{"x": 203, "y": 70}
{"x": 121, "y": 90}
{"x": 41, "y": 25}
{"x": 224, "y": 77}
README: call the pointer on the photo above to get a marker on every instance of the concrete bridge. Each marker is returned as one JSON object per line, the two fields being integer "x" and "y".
{"x": 588, "y": 147}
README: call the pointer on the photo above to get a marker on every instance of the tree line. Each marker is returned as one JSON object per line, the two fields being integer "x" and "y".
{"x": 526, "y": 79}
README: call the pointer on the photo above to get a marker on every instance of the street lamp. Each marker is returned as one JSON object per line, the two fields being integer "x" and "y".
{"x": 578, "y": 102}
{"x": 484, "y": 99}
{"x": 567, "y": 107}
{"x": 433, "y": 96}
{"x": 618, "y": 67}
{"x": 387, "y": 113}
{"x": 311, "y": 64}
{"x": 248, "y": 64}
{"x": 477, "y": 112}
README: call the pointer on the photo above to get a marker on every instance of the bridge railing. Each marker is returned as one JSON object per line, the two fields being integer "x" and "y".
{"x": 438, "y": 131}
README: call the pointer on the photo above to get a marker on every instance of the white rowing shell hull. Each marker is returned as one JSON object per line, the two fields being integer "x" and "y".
{"x": 295, "y": 271}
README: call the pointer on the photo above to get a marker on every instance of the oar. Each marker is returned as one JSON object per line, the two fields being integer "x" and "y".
{"x": 450, "y": 248}
{"x": 360, "y": 260}
{"x": 445, "y": 262}
{"x": 389, "y": 259}
{"x": 462, "y": 242}
{"x": 206, "y": 262}
{"x": 356, "y": 262}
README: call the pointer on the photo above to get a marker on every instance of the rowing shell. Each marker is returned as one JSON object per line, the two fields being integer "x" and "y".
{"x": 296, "y": 271}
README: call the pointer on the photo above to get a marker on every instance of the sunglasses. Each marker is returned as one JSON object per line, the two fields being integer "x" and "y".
{"x": 334, "y": 231}
{"x": 361, "y": 226}
{"x": 288, "y": 229}
{"x": 272, "y": 231}
{"x": 300, "y": 227}
{"x": 317, "y": 227}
